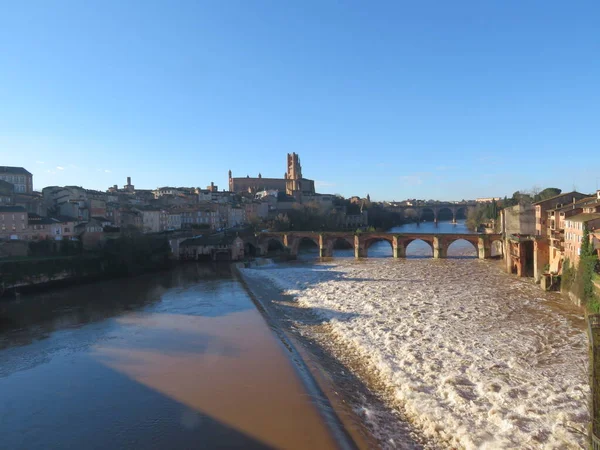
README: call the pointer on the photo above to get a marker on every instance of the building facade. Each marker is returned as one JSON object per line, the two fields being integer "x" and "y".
{"x": 574, "y": 227}
{"x": 174, "y": 222}
{"x": 542, "y": 207}
{"x": 151, "y": 220}
{"x": 518, "y": 220}
{"x": 7, "y": 193}
{"x": 19, "y": 177}
{"x": 14, "y": 222}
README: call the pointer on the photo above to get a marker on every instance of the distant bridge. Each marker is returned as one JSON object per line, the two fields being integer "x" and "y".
{"x": 325, "y": 241}
{"x": 435, "y": 208}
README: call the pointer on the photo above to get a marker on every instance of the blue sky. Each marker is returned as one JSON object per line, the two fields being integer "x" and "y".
{"x": 443, "y": 100}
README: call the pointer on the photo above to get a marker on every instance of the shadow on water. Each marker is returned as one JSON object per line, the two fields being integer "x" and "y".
{"x": 94, "y": 389}
{"x": 165, "y": 372}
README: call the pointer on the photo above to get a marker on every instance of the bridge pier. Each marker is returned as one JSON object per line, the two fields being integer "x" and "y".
{"x": 325, "y": 253}
{"x": 399, "y": 249}
{"x": 439, "y": 249}
{"x": 360, "y": 250}
{"x": 484, "y": 248}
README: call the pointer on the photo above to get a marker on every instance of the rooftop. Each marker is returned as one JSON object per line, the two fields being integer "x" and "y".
{"x": 572, "y": 193}
{"x": 585, "y": 217}
{"x": 14, "y": 170}
{"x": 4, "y": 209}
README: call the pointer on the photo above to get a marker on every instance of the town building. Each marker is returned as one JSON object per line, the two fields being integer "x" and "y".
{"x": 152, "y": 221}
{"x": 113, "y": 213}
{"x": 518, "y": 220}
{"x": 131, "y": 219}
{"x": 32, "y": 203}
{"x": 355, "y": 221}
{"x": 159, "y": 192}
{"x": 91, "y": 234}
{"x": 574, "y": 227}
{"x": 204, "y": 216}
{"x": 64, "y": 228}
{"x": 292, "y": 183}
{"x": 256, "y": 210}
{"x": 542, "y": 207}
{"x": 7, "y": 193}
{"x": 19, "y": 177}
{"x": 174, "y": 221}
{"x": 39, "y": 228}
{"x": 128, "y": 188}
{"x": 236, "y": 217}
{"x": 13, "y": 222}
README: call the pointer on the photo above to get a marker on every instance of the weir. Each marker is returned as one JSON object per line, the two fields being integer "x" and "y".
{"x": 362, "y": 241}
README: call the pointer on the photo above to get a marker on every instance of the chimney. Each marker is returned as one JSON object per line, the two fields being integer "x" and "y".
{"x": 128, "y": 181}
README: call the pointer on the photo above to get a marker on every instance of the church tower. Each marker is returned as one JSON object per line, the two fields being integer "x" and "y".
{"x": 294, "y": 176}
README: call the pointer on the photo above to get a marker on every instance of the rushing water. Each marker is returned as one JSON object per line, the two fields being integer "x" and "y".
{"x": 472, "y": 357}
{"x": 174, "y": 360}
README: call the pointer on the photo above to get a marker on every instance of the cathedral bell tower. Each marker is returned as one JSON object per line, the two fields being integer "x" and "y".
{"x": 294, "y": 176}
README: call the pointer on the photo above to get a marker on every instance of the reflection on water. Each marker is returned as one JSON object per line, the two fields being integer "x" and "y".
{"x": 158, "y": 361}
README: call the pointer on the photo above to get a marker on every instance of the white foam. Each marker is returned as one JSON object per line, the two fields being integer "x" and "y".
{"x": 477, "y": 358}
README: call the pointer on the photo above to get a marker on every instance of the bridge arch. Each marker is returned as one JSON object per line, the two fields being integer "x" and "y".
{"x": 299, "y": 240}
{"x": 250, "y": 249}
{"x": 427, "y": 213}
{"x": 270, "y": 244}
{"x": 445, "y": 213}
{"x": 411, "y": 213}
{"x": 418, "y": 248}
{"x": 496, "y": 246}
{"x": 467, "y": 251}
{"x": 370, "y": 240}
{"x": 338, "y": 243}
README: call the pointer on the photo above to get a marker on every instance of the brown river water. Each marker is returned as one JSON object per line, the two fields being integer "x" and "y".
{"x": 164, "y": 361}
{"x": 415, "y": 353}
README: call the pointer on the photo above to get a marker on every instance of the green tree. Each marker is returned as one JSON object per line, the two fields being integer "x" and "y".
{"x": 547, "y": 193}
{"x": 587, "y": 248}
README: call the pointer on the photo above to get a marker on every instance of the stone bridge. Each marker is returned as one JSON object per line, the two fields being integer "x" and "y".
{"x": 435, "y": 208}
{"x": 325, "y": 241}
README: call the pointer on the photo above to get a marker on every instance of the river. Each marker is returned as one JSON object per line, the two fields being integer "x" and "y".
{"x": 174, "y": 360}
{"x": 459, "y": 353}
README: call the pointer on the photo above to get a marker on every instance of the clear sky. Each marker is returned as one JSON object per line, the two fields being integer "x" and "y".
{"x": 442, "y": 100}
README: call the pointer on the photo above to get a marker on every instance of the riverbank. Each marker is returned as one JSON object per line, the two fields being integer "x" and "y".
{"x": 468, "y": 355}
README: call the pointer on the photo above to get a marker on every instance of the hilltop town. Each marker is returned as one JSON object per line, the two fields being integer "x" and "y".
{"x": 539, "y": 236}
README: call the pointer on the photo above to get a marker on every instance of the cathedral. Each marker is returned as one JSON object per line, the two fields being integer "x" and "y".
{"x": 292, "y": 183}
